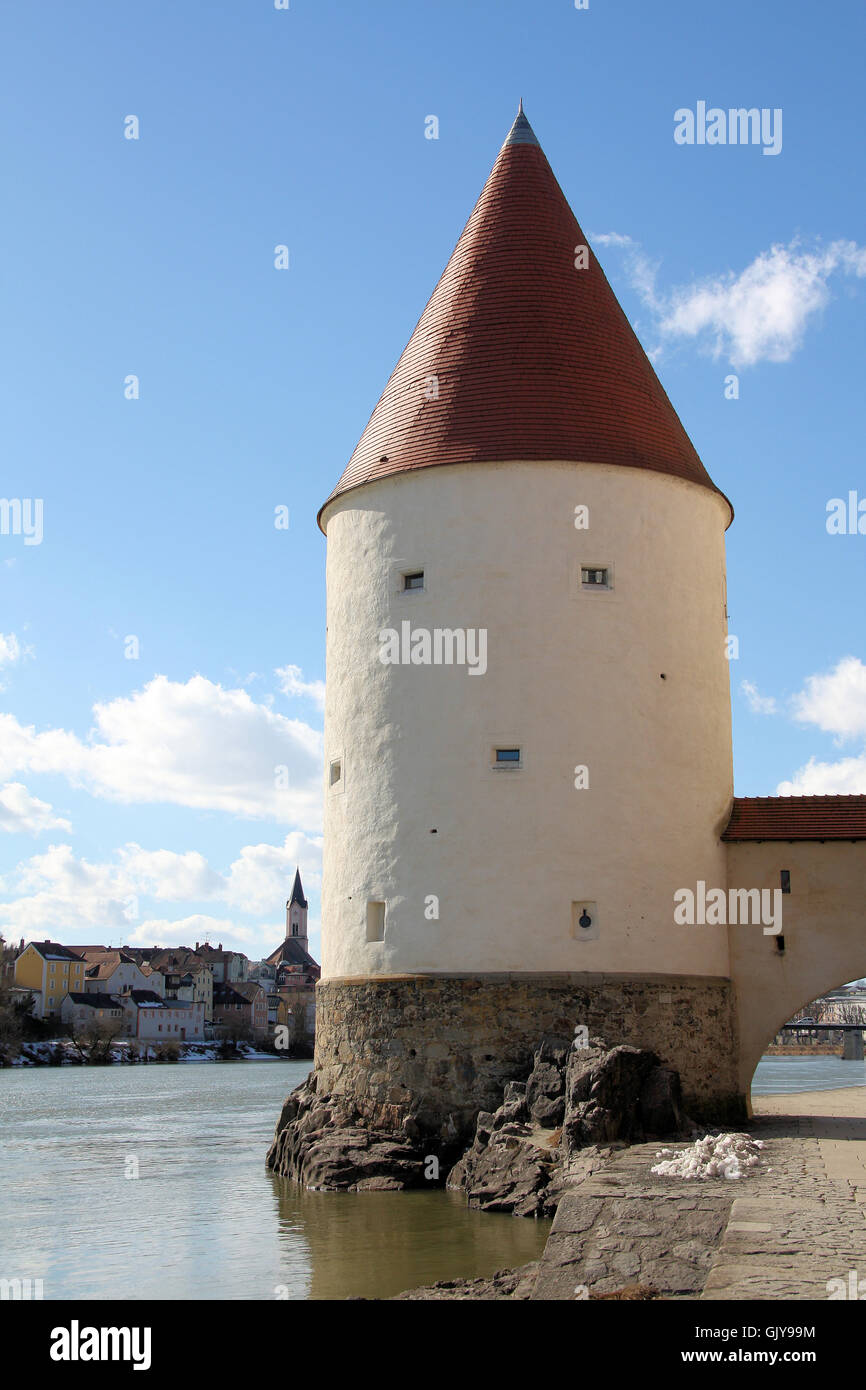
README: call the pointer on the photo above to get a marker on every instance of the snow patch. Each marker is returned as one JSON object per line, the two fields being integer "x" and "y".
{"x": 714, "y": 1156}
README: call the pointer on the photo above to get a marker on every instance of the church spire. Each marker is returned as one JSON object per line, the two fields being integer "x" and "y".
{"x": 296, "y": 914}
{"x": 298, "y": 892}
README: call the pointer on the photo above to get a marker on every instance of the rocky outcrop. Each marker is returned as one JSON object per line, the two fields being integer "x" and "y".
{"x": 549, "y": 1132}
{"x": 620, "y": 1094}
{"x": 504, "y": 1284}
{"x": 556, "y": 1129}
{"x": 324, "y": 1144}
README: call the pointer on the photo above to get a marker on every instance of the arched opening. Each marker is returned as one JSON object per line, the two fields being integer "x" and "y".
{"x": 816, "y": 1047}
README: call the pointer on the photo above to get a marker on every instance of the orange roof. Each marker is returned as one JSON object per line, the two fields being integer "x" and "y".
{"x": 797, "y": 818}
{"x": 533, "y": 359}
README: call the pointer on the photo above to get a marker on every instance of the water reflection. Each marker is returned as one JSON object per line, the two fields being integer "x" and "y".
{"x": 376, "y": 1244}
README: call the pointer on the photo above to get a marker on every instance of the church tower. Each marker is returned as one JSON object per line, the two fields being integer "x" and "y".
{"x": 527, "y": 720}
{"x": 296, "y": 914}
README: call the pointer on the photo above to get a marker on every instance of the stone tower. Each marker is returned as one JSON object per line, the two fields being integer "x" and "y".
{"x": 527, "y": 722}
{"x": 296, "y": 914}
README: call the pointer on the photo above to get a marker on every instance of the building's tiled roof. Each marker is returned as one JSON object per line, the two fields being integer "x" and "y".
{"x": 797, "y": 818}
{"x": 95, "y": 1000}
{"x": 533, "y": 358}
{"x": 248, "y": 989}
{"x": 291, "y": 952}
{"x": 146, "y": 999}
{"x": 51, "y": 950}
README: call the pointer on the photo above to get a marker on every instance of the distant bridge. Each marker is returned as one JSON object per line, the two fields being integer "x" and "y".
{"x": 853, "y": 1044}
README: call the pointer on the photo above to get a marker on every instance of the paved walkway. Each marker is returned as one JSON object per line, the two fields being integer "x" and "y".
{"x": 781, "y": 1232}
{"x": 806, "y": 1224}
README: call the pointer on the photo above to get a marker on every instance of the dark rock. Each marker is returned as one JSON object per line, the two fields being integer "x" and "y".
{"x": 504, "y": 1284}
{"x": 545, "y": 1089}
{"x": 509, "y": 1174}
{"x": 602, "y": 1094}
{"x": 323, "y": 1144}
{"x": 549, "y": 1113}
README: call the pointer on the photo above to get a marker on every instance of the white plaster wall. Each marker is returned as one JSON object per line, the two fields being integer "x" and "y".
{"x": 824, "y": 925}
{"x": 573, "y": 677}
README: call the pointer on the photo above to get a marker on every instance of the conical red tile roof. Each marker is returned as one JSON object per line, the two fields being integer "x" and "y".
{"x": 533, "y": 359}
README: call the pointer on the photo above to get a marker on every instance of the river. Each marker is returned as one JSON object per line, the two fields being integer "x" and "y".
{"x": 204, "y": 1218}
{"x": 149, "y": 1182}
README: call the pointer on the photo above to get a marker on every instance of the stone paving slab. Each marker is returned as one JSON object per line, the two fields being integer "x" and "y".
{"x": 780, "y": 1232}
{"x": 630, "y": 1226}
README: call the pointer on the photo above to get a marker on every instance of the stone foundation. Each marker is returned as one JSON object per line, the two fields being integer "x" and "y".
{"x": 440, "y": 1048}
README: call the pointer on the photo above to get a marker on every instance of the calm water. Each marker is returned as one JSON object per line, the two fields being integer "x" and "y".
{"x": 784, "y": 1075}
{"x": 204, "y": 1218}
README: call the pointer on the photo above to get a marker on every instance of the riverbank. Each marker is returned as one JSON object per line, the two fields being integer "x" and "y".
{"x": 791, "y": 1228}
{"x": 62, "y": 1052}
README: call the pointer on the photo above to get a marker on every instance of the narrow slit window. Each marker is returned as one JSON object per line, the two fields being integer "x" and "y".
{"x": 375, "y": 921}
{"x": 506, "y": 757}
{"x": 336, "y": 774}
{"x": 413, "y": 580}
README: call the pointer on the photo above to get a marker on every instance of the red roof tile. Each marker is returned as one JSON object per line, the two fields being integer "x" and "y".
{"x": 534, "y": 359}
{"x": 797, "y": 818}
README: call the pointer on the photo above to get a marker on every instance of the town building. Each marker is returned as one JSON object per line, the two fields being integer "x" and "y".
{"x": 229, "y": 967}
{"x": 92, "y": 1010}
{"x": 50, "y": 971}
{"x": 154, "y": 1019}
{"x": 242, "y": 1005}
{"x": 110, "y": 971}
{"x": 186, "y": 976}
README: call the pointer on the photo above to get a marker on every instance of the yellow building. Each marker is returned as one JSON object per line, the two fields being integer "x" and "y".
{"x": 51, "y": 971}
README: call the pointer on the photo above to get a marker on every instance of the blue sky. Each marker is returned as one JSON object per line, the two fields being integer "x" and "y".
{"x": 138, "y": 798}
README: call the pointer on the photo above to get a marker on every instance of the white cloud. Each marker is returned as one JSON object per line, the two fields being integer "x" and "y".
{"x": 10, "y": 649}
{"x": 166, "y": 875}
{"x": 759, "y": 314}
{"x": 758, "y": 703}
{"x": 64, "y": 894}
{"x": 836, "y": 700}
{"x": 194, "y": 744}
{"x": 21, "y": 813}
{"x": 186, "y": 931}
{"x": 259, "y": 880}
{"x": 58, "y": 893}
{"x": 844, "y": 778}
{"x": 291, "y": 683}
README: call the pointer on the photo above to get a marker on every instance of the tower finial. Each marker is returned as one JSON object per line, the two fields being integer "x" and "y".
{"x": 520, "y": 107}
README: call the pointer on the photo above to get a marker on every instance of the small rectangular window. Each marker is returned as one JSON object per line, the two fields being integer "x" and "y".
{"x": 506, "y": 757}
{"x": 413, "y": 580}
{"x": 594, "y": 577}
{"x": 375, "y": 921}
{"x": 336, "y": 773}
